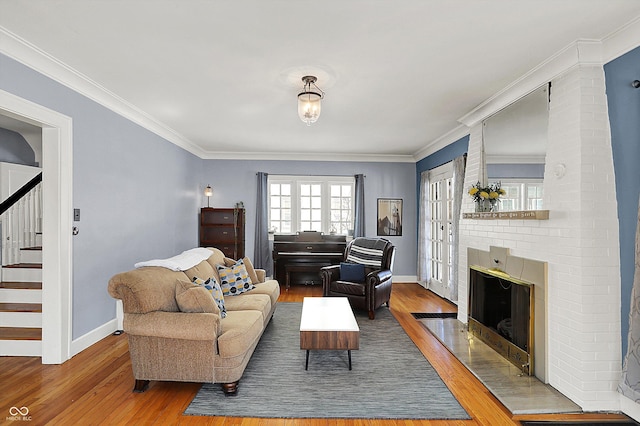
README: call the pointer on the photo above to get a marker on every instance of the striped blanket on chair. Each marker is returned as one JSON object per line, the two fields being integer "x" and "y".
{"x": 367, "y": 251}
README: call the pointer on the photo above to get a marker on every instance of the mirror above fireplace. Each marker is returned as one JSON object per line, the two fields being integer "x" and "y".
{"x": 515, "y": 141}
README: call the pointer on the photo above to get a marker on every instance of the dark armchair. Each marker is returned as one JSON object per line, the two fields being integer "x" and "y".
{"x": 365, "y": 275}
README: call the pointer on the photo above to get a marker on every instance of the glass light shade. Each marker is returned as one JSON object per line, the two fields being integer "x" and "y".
{"x": 309, "y": 106}
{"x": 208, "y": 191}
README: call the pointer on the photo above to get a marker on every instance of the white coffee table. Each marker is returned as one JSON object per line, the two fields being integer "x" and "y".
{"x": 327, "y": 323}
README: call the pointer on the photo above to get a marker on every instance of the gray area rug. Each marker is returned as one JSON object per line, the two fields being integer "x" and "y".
{"x": 391, "y": 379}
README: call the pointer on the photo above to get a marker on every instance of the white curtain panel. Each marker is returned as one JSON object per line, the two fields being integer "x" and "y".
{"x": 630, "y": 382}
{"x": 424, "y": 229}
{"x": 459, "y": 165}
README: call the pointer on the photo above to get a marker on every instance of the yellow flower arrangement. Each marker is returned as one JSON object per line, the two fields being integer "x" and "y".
{"x": 491, "y": 192}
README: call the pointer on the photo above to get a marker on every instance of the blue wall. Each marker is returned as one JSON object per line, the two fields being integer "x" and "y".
{"x": 137, "y": 192}
{"x": 235, "y": 180}
{"x": 624, "y": 119}
{"x": 15, "y": 149}
{"x": 438, "y": 158}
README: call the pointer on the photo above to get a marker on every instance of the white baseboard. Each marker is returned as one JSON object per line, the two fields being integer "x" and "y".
{"x": 94, "y": 336}
{"x": 401, "y": 279}
{"x": 630, "y": 408}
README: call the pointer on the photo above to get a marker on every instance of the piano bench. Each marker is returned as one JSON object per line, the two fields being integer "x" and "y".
{"x": 301, "y": 267}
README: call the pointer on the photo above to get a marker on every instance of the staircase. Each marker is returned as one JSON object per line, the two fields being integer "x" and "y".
{"x": 21, "y": 273}
{"x": 21, "y": 304}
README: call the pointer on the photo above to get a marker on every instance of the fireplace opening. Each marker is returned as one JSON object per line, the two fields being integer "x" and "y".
{"x": 501, "y": 315}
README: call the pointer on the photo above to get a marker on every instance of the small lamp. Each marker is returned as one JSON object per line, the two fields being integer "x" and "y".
{"x": 208, "y": 192}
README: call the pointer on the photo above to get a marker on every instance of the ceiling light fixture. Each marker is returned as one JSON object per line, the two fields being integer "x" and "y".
{"x": 309, "y": 101}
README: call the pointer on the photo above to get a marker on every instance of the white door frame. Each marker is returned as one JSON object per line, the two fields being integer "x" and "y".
{"x": 57, "y": 207}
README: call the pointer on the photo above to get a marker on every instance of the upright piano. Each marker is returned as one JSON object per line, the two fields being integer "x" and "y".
{"x": 297, "y": 258}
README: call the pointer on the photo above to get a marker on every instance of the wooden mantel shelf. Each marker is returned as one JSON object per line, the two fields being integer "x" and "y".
{"x": 517, "y": 215}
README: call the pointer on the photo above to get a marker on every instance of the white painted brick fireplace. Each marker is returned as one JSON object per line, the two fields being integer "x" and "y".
{"x": 579, "y": 241}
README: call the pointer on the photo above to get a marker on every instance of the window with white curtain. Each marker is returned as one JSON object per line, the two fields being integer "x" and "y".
{"x": 311, "y": 203}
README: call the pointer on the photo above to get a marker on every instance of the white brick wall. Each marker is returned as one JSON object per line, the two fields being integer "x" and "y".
{"x": 579, "y": 241}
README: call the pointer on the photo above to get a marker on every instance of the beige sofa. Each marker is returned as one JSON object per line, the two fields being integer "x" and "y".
{"x": 175, "y": 329}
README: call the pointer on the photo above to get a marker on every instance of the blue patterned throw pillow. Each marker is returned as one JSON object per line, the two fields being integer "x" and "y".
{"x": 234, "y": 279}
{"x": 216, "y": 292}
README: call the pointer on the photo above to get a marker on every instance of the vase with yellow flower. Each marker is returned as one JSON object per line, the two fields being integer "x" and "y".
{"x": 486, "y": 197}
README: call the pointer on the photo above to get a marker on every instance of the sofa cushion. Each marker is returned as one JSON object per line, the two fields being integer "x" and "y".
{"x": 202, "y": 269}
{"x": 238, "y": 332}
{"x": 234, "y": 280}
{"x": 270, "y": 288}
{"x": 250, "y": 270}
{"x": 216, "y": 258}
{"x": 212, "y": 286}
{"x": 194, "y": 298}
{"x": 250, "y": 302}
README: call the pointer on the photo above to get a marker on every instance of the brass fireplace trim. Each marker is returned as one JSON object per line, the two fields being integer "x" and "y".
{"x": 518, "y": 357}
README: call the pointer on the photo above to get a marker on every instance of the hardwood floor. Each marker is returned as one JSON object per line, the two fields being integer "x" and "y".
{"x": 95, "y": 386}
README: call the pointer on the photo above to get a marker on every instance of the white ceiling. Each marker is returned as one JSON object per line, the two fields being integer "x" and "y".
{"x": 224, "y": 74}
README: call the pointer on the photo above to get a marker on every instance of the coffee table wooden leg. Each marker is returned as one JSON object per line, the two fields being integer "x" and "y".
{"x": 349, "y": 352}
{"x": 306, "y": 365}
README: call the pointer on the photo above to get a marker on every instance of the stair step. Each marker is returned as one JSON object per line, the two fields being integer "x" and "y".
{"x": 22, "y": 274}
{"x": 31, "y": 255}
{"x": 21, "y": 319}
{"x": 19, "y": 333}
{"x": 20, "y": 307}
{"x": 17, "y": 347}
{"x": 21, "y": 285}
{"x": 24, "y": 266}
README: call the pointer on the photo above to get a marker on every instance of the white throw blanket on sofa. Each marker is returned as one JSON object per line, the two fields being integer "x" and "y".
{"x": 185, "y": 260}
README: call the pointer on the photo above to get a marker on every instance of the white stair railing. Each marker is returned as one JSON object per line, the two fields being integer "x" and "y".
{"x": 20, "y": 225}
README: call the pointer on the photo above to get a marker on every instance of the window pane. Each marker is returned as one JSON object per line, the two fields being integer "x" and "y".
{"x": 275, "y": 189}
{"x": 305, "y": 189}
{"x": 275, "y": 202}
{"x": 285, "y": 189}
{"x": 316, "y": 190}
{"x": 316, "y": 202}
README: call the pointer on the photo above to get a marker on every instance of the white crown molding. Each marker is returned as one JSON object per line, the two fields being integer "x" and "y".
{"x": 621, "y": 41}
{"x": 447, "y": 139}
{"x": 580, "y": 52}
{"x": 296, "y": 156}
{"x": 26, "y": 53}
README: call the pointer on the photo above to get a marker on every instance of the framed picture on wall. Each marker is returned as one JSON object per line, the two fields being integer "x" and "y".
{"x": 389, "y": 217}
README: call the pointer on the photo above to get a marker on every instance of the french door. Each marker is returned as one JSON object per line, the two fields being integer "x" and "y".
{"x": 441, "y": 236}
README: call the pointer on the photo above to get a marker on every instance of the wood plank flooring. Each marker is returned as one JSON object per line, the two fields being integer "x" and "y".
{"x": 95, "y": 386}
